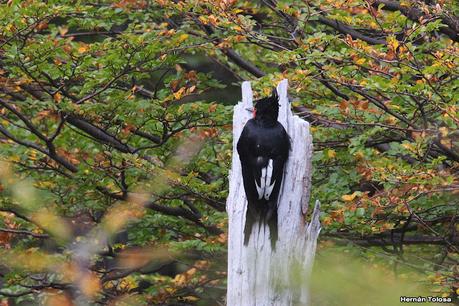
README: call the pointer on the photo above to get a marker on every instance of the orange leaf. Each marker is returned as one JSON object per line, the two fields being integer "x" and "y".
{"x": 212, "y": 107}
{"x": 90, "y": 284}
{"x": 57, "y": 97}
{"x": 83, "y": 48}
{"x": 344, "y": 105}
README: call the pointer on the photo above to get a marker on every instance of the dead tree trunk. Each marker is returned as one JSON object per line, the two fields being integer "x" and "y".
{"x": 256, "y": 274}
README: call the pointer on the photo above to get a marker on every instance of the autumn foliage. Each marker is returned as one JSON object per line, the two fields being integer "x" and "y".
{"x": 115, "y": 138}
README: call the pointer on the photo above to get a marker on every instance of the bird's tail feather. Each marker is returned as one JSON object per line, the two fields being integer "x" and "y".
{"x": 266, "y": 217}
{"x": 272, "y": 224}
{"x": 249, "y": 221}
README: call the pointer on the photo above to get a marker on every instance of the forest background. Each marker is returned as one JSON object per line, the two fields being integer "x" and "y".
{"x": 115, "y": 141}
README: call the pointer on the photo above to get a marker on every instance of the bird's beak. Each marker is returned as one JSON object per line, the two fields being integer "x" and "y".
{"x": 253, "y": 110}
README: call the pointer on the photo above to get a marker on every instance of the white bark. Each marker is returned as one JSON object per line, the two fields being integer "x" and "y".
{"x": 257, "y": 275}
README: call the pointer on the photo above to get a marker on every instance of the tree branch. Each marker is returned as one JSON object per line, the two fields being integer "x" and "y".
{"x": 242, "y": 63}
{"x": 342, "y": 28}
{"x": 414, "y": 13}
{"x": 98, "y": 133}
{"x": 397, "y": 238}
{"x": 24, "y": 232}
{"x": 184, "y": 213}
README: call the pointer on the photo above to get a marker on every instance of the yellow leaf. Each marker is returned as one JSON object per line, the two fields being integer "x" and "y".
{"x": 331, "y": 153}
{"x": 128, "y": 283}
{"x": 393, "y": 42}
{"x": 183, "y": 37}
{"x": 203, "y": 19}
{"x": 179, "y": 279}
{"x": 52, "y": 223}
{"x": 408, "y": 146}
{"x": 443, "y": 131}
{"x": 359, "y": 155}
{"x": 391, "y": 120}
{"x": 15, "y": 158}
{"x": 170, "y": 290}
{"x": 179, "y": 93}
{"x": 63, "y": 30}
{"x": 360, "y": 61}
{"x": 349, "y": 197}
{"x": 190, "y": 298}
{"x": 191, "y": 272}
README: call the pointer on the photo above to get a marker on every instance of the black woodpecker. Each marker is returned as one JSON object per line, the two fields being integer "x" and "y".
{"x": 263, "y": 149}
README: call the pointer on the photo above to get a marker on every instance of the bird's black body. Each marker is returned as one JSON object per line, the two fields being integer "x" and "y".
{"x": 263, "y": 149}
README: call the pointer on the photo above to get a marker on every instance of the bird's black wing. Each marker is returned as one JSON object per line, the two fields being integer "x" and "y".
{"x": 281, "y": 146}
{"x": 248, "y": 158}
{"x": 279, "y": 156}
{"x": 248, "y": 161}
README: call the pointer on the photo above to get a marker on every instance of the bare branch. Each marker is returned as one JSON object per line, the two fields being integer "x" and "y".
{"x": 23, "y": 232}
{"x": 342, "y": 28}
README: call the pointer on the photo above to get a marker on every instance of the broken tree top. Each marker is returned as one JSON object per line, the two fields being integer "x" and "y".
{"x": 258, "y": 275}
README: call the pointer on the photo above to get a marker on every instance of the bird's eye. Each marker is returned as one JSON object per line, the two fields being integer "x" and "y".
{"x": 254, "y": 112}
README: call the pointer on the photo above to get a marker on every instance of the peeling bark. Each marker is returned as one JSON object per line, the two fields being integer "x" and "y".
{"x": 258, "y": 275}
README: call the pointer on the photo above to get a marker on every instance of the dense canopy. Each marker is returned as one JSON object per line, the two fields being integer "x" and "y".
{"x": 115, "y": 138}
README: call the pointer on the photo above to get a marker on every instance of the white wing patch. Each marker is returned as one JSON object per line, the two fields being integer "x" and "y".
{"x": 265, "y": 189}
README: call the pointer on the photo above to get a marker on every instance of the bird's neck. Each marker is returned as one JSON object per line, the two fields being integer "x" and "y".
{"x": 265, "y": 120}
